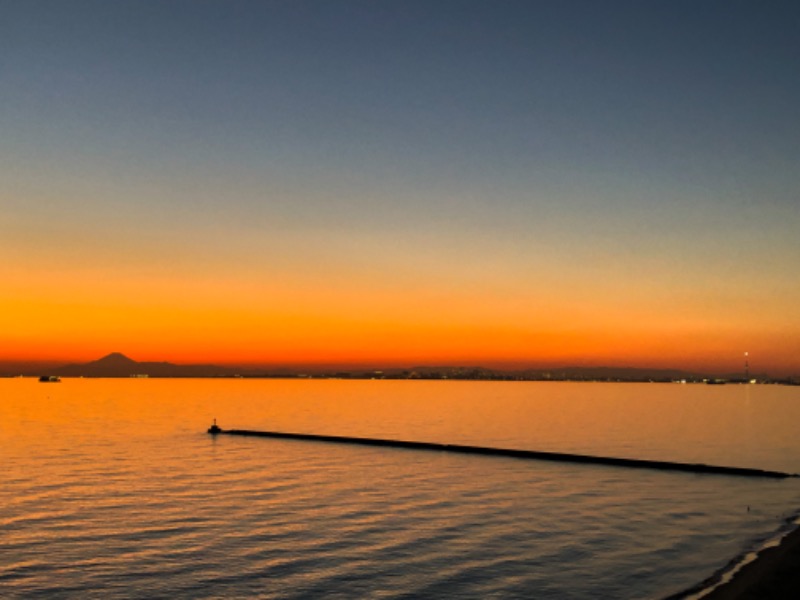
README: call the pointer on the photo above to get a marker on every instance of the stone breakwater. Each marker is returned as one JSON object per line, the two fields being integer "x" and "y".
{"x": 513, "y": 453}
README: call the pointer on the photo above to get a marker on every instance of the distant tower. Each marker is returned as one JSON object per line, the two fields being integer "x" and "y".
{"x": 747, "y": 366}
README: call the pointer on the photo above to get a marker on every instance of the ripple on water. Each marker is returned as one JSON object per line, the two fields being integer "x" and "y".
{"x": 127, "y": 504}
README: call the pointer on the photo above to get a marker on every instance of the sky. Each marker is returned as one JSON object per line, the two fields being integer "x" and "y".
{"x": 400, "y": 183}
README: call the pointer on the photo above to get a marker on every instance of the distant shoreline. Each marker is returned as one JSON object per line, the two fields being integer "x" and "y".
{"x": 117, "y": 364}
{"x": 433, "y": 377}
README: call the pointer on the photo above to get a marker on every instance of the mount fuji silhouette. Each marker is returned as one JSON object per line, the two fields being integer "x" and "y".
{"x": 117, "y": 364}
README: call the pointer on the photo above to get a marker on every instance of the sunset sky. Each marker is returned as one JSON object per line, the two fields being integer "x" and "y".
{"x": 497, "y": 183}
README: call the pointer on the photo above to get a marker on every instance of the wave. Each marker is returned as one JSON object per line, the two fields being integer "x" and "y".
{"x": 754, "y": 552}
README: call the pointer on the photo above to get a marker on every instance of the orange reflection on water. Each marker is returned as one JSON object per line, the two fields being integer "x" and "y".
{"x": 730, "y": 425}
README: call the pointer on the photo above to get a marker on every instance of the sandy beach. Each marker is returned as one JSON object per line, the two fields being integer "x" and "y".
{"x": 774, "y": 574}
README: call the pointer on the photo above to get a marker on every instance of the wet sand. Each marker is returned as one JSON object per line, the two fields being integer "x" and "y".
{"x": 774, "y": 574}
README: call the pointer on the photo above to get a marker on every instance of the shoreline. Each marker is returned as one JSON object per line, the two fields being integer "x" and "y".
{"x": 771, "y": 572}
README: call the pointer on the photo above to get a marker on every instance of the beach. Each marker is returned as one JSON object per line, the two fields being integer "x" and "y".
{"x": 774, "y": 574}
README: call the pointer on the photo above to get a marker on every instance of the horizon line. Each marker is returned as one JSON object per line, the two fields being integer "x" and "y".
{"x": 377, "y": 366}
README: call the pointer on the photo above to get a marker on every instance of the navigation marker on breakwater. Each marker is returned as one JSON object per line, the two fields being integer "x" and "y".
{"x": 660, "y": 465}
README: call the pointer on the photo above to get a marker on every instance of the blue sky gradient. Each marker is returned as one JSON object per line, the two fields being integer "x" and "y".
{"x": 604, "y": 149}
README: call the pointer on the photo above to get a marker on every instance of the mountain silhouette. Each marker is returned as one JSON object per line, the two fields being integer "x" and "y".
{"x": 115, "y": 359}
{"x": 117, "y": 364}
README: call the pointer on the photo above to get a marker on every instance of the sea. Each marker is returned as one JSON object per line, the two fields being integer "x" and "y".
{"x": 112, "y": 488}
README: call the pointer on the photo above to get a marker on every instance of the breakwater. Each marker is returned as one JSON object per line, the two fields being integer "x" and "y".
{"x": 512, "y": 453}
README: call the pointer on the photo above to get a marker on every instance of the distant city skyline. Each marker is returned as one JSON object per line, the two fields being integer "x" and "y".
{"x": 522, "y": 183}
{"x": 118, "y": 364}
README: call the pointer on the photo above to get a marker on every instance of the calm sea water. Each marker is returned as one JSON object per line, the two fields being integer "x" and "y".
{"x": 112, "y": 488}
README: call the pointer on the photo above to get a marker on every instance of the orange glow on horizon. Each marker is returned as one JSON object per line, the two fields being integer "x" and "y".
{"x": 81, "y": 316}
{"x": 235, "y": 201}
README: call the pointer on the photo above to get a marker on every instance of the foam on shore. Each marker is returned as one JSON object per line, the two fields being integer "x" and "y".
{"x": 757, "y": 573}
